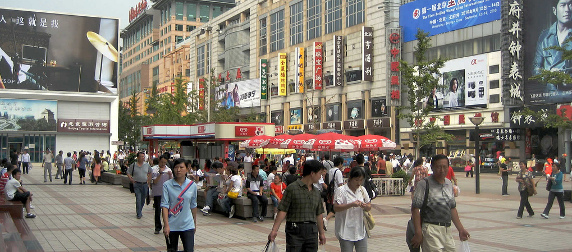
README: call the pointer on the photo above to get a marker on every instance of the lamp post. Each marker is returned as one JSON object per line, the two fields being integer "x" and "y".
{"x": 477, "y": 120}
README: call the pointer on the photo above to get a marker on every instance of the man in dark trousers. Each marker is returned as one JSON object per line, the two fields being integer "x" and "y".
{"x": 302, "y": 208}
{"x": 255, "y": 192}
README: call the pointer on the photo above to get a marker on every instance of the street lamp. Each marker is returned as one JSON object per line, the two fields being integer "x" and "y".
{"x": 477, "y": 120}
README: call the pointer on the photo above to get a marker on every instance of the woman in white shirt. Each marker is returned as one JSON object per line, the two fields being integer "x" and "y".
{"x": 350, "y": 200}
{"x": 453, "y": 96}
{"x": 233, "y": 183}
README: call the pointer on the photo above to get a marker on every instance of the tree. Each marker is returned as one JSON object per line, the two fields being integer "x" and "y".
{"x": 167, "y": 108}
{"x": 130, "y": 122}
{"x": 419, "y": 80}
{"x": 219, "y": 111}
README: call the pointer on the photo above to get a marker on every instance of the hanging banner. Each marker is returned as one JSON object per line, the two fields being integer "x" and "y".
{"x": 282, "y": 77}
{"x": 318, "y": 58}
{"x": 367, "y": 53}
{"x": 300, "y": 69}
{"x": 263, "y": 79}
{"x": 338, "y": 60}
{"x": 393, "y": 72}
{"x": 201, "y": 94}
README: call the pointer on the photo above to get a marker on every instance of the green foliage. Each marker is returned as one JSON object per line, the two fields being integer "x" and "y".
{"x": 401, "y": 174}
{"x": 419, "y": 80}
{"x": 167, "y": 108}
{"x": 31, "y": 124}
{"x": 130, "y": 122}
{"x": 549, "y": 119}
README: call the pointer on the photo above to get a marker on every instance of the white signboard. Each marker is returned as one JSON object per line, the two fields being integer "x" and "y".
{"x": 243, "y": 94}
{"x": 465, "y": 82}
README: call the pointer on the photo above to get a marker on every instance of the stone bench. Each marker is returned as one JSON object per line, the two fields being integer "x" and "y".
{"x": 242, "y": 209}
{"x": 112, "y": 178}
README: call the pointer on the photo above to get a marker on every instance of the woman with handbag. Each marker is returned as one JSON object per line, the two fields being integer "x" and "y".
{"x": 556, "y": 190}
{"x": 350, "y": 202}
{"x": 233, "y": 191}
{"x": 524, "y": 179}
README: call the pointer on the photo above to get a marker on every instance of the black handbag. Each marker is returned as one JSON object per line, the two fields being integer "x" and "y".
{"x": 549, "y": 185}
{"x": 410, "y": 232}
{"x": 131, "y": 188}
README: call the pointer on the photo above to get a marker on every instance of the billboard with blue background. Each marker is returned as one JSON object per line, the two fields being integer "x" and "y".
{"x": 28, "y": 115}
{"x": 440, "y": 16}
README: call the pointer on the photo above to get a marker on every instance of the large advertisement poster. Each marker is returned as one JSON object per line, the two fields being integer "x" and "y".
{"x": 542, "y": 19}
{"x": 56, "y": 52}
{"x": 242, "y": 94}
{"x": 464, "y": 83}
{"x": 28, "y": 115}
{"x": 440, "y": 16}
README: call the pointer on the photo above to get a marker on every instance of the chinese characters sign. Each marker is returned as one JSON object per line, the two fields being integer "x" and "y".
{"x": 263, "y": 79}
{"x": 83, "y": 125}
{"x": 367, "y": 53}
{"x": 299, "y": 69}
{"x": 338, "y": 60}
{"x": 282, "y": 75}
{"x": 318, "y": 65}
{"x": 248, "y": 131}
{"x": 201, "y": 94}
{"x": 512, "y": 53}
{"x": 518, "y": 120}
{"x": 440, "y": 16}
{"x": 393, "y": 73}
{"x": 138, "y": 9}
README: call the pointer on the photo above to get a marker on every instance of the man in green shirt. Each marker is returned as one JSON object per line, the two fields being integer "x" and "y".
{"x": 302, "y": 208}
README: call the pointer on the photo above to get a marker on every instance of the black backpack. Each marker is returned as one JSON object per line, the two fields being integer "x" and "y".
{"x": 331, "y": 187}
{"x": 370, "y": 186}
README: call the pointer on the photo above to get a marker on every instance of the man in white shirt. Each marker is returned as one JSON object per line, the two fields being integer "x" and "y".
{"x": 26, "y": 161}
{"x": 334, "y": 174}
{"x": 15, "y": 192}
{"x": 47, "y": 163}
{"x": 248, "y": 158}
{"x": 394, "y": 163}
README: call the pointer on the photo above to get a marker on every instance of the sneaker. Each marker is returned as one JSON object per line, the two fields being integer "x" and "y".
{"x": 519, "y": 217}
{"x": 545, "y": 216}
{"x": 505, "y": 194}
{"x": 325, "y": 224}
{"x": 531, "y": 215}
{"x": 30, "y": 215}
{"x": 562, "y": 217}
{"x": 254, "y": 219}
{"x": 261, "y": 218}
{"x": 32, "y": 206}
{"x": 205, "y": 210}
{"x": 231, "y": 213}
{"x": 157, "y": 231}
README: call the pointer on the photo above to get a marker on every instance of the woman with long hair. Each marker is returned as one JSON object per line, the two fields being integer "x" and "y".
{"x": 96, "y": 167}
{"x": 179, "y": 208}
{"x": 453, "y": 96}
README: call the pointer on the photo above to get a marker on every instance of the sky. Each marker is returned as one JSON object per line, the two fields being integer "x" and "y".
{"x": 101, "y": 8}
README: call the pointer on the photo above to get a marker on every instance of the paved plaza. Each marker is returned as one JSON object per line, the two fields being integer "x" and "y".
{"x": 102, "y": 218}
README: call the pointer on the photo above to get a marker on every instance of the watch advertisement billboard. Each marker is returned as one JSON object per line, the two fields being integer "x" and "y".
{"x": 439, "y": 16}
{"x": 28, "y": 115}
{"x": 57, "y": 52}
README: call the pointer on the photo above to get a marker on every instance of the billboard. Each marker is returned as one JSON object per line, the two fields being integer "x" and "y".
{"x": 282, "y": 77}
{"x": 56, "y": 52}
{"x": 439, "y": 16}
{"x": 464, "y": 83}
{"x": 242, "y": 94}
{"x": 540, "y": 23}
{"x": 28, "y": 115}
{"x": 296, "y": 116}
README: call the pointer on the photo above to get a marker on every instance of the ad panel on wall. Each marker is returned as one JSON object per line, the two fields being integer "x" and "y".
{"x": 464, "y": 83}
{"x": 28, "y": 115}
{"x": 439, "y": 16}
{"x": 242, "y": 94}
{"x": 57, "y": 52}
{"x": 541, "y": 22}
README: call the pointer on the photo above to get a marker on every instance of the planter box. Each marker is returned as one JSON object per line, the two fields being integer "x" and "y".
{"x": 111, "y": 178}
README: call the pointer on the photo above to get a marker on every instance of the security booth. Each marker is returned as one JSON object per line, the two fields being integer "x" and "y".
{"x": 206, "y": 140}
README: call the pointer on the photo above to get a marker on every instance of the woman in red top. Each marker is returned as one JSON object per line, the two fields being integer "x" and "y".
{"x": 276, "y": 192}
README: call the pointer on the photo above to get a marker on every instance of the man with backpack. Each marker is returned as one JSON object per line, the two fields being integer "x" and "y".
{"x": 334, "y": 179}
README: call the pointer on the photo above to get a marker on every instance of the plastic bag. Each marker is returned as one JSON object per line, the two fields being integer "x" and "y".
{"x": 271, "y": 247}
{"x": 464, "y": 247}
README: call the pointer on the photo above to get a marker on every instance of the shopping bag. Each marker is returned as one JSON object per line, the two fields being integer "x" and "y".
{"x": 464, "y": 247}
{"x": 271, "y": 247}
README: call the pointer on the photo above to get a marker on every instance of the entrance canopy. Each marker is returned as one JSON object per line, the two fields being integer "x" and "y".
{"x": 223, "y": 131}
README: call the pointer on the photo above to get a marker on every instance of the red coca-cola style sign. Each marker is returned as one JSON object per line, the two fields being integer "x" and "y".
{"x": 248, "y": 131}
{"x": 201, "y": 129}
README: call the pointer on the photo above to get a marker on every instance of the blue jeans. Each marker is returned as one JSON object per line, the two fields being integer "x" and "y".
{"x": 212, "y": 195}
{"x": 226, "y": 203}
{"x": 274, "y": 200}
{"x": 187, "y": 237}
{"x": 141, "y": 191}
{"x": 558, "y": 196}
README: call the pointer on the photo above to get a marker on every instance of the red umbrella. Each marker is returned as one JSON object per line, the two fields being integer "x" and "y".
{"x": 296, "y": 141}
{"x": 255, "y": 142}
{"x": 277, "y": 140}
{"x": 332, "y": 142}
{"x": 375, "y": 142}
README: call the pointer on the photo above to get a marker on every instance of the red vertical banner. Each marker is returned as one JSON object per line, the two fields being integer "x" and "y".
{"x": 201, "y": 94}
{"x": 318, "y": 65}
{"x": 393, "y": 66}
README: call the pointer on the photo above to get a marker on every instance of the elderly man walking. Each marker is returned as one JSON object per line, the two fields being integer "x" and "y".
{"x": 433, "y": 223}
{"x": 139, "y": 174}
{"x": 47, "y": 163}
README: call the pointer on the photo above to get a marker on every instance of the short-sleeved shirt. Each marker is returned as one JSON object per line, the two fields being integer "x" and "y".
{"x": 333, "y": 173}
{"x": 254, "y": 183}
{"x": 349, "y": 223}
{"x": 420, "y": 173}
{"x": 68, "y": 163}
{"x": 59, "y": 159}
{"x": 26, "y": 158}
{"x": 11, "y": 188}
{"x": 48, "y": 158}
{"x": 180, "y": 216}
{"x": 235, "y": 182}
{"x": 439, "y": 202}
{"x": 278, "y": 189}
{"x": 450, "y": 173}
{"x": 301, "y": 204}
{"x": 139, "y": 172}
{"x": 83, "y": 163}
{"x": 157, "y": 189}
{"x": 525, "y": 176}
{"x": 3, "y": 180}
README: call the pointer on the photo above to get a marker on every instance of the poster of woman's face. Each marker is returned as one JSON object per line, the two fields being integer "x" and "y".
{"x": 277, "y": 118}
{"x": 378, "y": 108}
{"x": 333, "y": 112}
{"x": 454, "y": 89}
{"x": 296, "y": 116}
{"x": 355, "y": 110}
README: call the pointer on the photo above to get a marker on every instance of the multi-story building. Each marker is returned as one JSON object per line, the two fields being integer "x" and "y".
{"x": 150, "y": 52}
